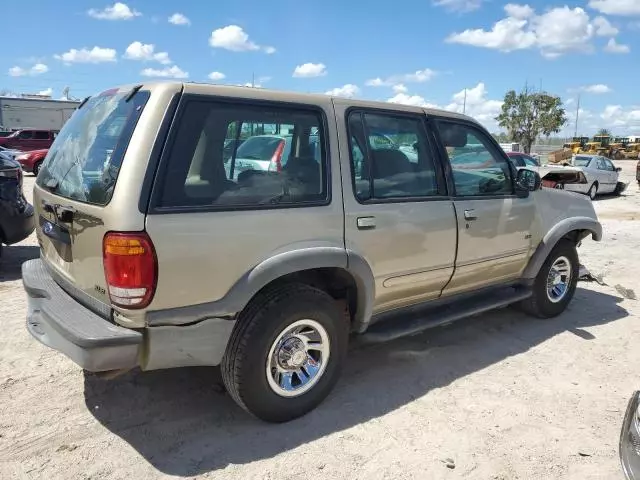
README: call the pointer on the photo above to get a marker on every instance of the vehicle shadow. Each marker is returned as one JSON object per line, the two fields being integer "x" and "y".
{"x": 181, "y": 423}
{"x": 12, "y": 259}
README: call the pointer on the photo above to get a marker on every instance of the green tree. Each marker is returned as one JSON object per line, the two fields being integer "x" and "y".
{"x": 604, "y": 131}
{"x": 528, "y": 115}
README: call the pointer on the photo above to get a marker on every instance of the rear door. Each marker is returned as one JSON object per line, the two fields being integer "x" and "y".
{"x": 494, "y": 225}
{"x": 75, "y": 186}
{"x": 612, "y": 175}
{"x": 397, "y": 214}
{"x": 41, "y": 139}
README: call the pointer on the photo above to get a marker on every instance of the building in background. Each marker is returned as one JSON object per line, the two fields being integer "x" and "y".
{"x": 35, "y": 111}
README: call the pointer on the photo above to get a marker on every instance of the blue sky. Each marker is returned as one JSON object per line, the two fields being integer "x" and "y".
{"x": 423, "y": 52}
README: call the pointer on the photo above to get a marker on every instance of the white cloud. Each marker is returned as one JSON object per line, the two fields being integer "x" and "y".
{"x": 46, "y": 92}
{"x": 347, "y": 91}
{"x": 604, "y": 27}
{"x": 146, "y": 52}
{"x": 477, "y": 105}
{"x": 615, "y": 47}
{"x": 216, "y": 76}
{"x": 419, "y": 76}
{"x": 17, "y": 72}
{"x": 310, "y": 70}
{"x": 84, "y": 55}
{"x": 118, "y": 11}
{"x": 459, "y": 5}
{"x": 37, "y": 69}
{"x": 234, "y": 38}
{"x": 414, "y": 100}
{"x": 168, "y": 72}
{"x": 616, "y": 7}
{"x": 620, "y": 118}
{"x": 179, "y": 19}
{"x": 555, "y": 32}
{"x": 597, "y": 88}
{"x": 399, "y": 88}
{"x": 520, "y": 12}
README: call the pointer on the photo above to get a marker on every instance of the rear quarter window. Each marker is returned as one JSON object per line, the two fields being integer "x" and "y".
{"x": 281, "y": 160}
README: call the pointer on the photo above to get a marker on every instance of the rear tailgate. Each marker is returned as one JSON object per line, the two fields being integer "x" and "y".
{"x": 90, "y": 184}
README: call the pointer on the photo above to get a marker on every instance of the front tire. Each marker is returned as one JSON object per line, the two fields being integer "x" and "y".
{"x": 555, "y": 284}
{"x": 286, "y": 352}
{"x": 36, "y": 168}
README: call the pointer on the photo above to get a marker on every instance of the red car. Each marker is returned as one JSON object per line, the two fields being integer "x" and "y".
{"x": 31, "y": 161}
{"x": 29, "y": 139}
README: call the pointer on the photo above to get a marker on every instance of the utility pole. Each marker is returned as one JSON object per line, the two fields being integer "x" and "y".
{"x": 253, "y": 80}
{"x": 577, "y": 115}
{"x": 464, "y": 105}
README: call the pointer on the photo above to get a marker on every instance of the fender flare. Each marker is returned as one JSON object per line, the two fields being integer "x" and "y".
{"x": 584, "y": 225}
{"x": 269, "y": 270}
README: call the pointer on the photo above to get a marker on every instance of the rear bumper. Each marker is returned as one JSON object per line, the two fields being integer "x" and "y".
{"x": 58, "y": 321}
{"x": 15, "y": 225}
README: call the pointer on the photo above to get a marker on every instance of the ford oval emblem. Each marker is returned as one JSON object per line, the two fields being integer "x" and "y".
{"x": 47, "y": 228}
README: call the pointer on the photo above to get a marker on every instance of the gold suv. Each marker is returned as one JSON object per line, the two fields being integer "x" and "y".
{"x": 261, "y": 231}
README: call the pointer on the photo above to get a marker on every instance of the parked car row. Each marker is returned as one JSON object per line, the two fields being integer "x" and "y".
{"x": 28, "y": 139}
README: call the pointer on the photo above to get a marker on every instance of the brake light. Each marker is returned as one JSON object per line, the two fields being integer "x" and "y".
{"x": 276, "y": 158}
{"x": 130, "y": 269}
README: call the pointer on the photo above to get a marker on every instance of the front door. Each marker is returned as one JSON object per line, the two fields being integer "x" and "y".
{"x": 494, "y": 226}
{"x": 397, "y": 216}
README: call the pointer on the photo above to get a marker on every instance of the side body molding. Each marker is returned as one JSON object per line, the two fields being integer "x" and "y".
{"x": 271, "y": 269}
{"x": 585, "y": 225}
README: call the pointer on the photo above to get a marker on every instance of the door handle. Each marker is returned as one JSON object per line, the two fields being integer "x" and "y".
{"x": 470, "y": 215}
{"x": 366, "y": 223}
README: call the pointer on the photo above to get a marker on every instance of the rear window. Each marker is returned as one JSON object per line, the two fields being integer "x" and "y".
{"x": 581, "y": 161}
{"x": 84, "y": 161}
{"x": 259, "y": 148}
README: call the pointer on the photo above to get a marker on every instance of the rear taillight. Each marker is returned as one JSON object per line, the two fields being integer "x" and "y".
{"x": 276, "y": 158}
{"x": 130, "y": 268}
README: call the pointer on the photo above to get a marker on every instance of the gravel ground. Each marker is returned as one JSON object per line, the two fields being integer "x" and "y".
{"x": 498, "y": 396}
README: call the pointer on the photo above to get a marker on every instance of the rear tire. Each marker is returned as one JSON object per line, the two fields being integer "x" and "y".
{"x": 593, "y": 191}
{"x": 267, "y": 368}
{"x": 36, "y": 168}
{"x": 555, "y": 284}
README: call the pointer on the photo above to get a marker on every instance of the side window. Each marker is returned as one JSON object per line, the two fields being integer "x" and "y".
{"x": 600, "y": 164}
{"x": 40, "y": 135}
{"x": 25, "y": 135}
{"x": 234, "y": 155}
{"x": 478, "y": 168}
{"x": 390, "y": 157}
{"x": 529, "y": 161}
{"x": 608, "y": 165}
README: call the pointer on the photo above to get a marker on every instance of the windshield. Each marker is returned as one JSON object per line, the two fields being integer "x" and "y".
{"x": 582, "y": 161}
{"x": 259, "y": 148}
{"x": 84, "y": 160}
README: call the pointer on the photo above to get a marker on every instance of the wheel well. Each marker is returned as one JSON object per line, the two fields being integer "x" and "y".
{"x": 337, "y": 282}
{"x": 576, "y": 236}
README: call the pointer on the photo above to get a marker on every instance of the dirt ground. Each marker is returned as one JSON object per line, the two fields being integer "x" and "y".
{"x": 499, "y": 396}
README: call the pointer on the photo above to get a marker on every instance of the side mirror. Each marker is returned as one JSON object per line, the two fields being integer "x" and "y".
{"x": 618, "y": 169}
{"x": 527, "y": 181}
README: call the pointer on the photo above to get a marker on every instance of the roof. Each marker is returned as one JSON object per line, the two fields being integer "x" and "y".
{"x": 294, "y": 97}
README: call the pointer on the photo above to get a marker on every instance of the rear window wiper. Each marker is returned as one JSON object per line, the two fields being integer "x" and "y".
{"x": 133, "y": 91}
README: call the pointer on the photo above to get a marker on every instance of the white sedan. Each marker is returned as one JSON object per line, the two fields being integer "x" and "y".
{"x": 600, "y": 173}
